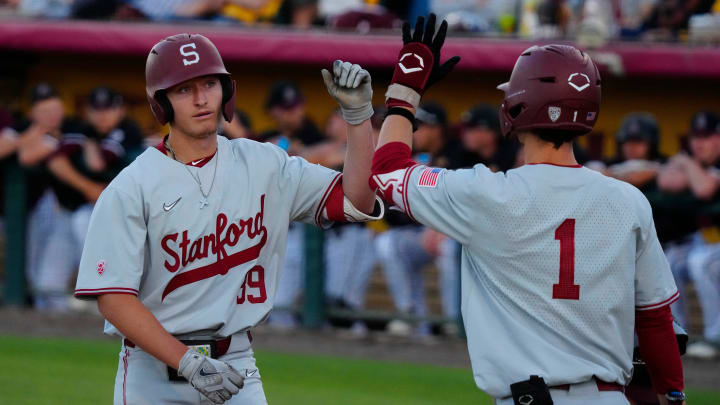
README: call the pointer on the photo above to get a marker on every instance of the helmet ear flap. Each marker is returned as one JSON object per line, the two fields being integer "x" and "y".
{"x": 228, "y": 101}
{"x": 162, "y": 105}
{"x": 159, "y": 110}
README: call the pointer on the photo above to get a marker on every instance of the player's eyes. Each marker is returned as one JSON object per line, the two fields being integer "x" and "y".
{"x": 211, "y": 83}
{"x": 184, "y": 90}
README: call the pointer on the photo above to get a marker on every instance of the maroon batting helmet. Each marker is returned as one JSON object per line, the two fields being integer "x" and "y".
{"x": 552, "y": 87}
{"x": 182, "y": 57}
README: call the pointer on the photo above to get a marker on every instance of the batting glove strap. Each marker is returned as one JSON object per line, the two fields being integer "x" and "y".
{"x": 214, "y": 379}
{"x": 357, "y": 115}
{"x": 404, "y": 94}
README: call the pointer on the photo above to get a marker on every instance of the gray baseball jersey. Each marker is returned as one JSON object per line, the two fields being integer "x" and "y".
{"x": 200, "y": 267}
{"x": 555, "y": 262}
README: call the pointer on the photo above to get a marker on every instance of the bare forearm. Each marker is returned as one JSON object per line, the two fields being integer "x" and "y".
{"x": 61, "y": 168}
{"x": 356, "y": 171}
{"x": 139, "y": 325}
{"x": 30, "y": 156}
{"x": 702, "y": 184}
{"x": 8, "y": 145}
{"x": 396, "y": 129}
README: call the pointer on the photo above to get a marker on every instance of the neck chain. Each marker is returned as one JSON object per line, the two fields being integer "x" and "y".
{"x": 203, "y": 201}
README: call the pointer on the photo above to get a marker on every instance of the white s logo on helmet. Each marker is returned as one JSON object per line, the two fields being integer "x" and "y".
{"x": 193, "y": 54}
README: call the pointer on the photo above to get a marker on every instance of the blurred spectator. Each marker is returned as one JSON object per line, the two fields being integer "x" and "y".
{"x": 670, "y": 16}
{"x": 298, "y": 13}
{"x": 544, "y": 18}
{"x": 482, "y": 142}
{"x": 251, "y": 11}
{"x": 158, "y": 10}
{"x": 596, "y": 22}
{"x": 239, "y": 127}
{"x": 295, "y": 132}
{"x": 294, "y": 129}
{"x": 406, "y": 248}
{"x": 698, "y": 259}
{"x": 349, "y": 256}
{"x": 361, "y": 15}
{"x": 477, "y": 16}
{"x": 31, "y": 142}
{"x": 45, "y": 8}
{"x": 638, "y": 157}
{"x": 107, "y": 122}
{"x": 96, "y": 9}
{"x": 88, "y": 158}
{"x": 633, "y": 14}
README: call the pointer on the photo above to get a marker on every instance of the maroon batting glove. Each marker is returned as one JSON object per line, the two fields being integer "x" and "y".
{"x": 418, "y": 64}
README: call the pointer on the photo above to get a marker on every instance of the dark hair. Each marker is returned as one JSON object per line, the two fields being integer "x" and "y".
{"x": 556, "y": 137}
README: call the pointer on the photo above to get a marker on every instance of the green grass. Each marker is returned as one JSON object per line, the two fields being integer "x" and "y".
{"x": 64, "y": 371}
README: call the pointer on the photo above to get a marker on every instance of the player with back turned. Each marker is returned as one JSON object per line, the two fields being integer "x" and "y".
{"x": 560, "y": 264}
{"x": 185, "y": 245}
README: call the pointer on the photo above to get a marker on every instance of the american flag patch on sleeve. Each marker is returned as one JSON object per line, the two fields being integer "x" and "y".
{"x": 429, "y": 177}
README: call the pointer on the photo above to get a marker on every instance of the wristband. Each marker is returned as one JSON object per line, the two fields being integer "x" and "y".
{"x": 405, "y": 113}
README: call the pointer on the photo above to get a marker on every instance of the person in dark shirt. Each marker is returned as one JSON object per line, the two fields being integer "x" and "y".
{"x": 28, "y": 144}
{"x": 407, "y": 247}
{"x": 696, "y": 259}
{"x": 293, "y": 128}
{"x": 295, "y": 132}
{"x": 638, "y": 157}
{"x": 482, "y": 142}
{"x": 107, "y": 123}
{"x": 89, "y": 155}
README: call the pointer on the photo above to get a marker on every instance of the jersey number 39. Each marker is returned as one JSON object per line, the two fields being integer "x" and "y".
{"x": 566, "y": 289}
{"x": 255, "y": 280}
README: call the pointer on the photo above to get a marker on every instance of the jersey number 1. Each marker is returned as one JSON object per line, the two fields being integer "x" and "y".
{"x": 566, "y": 289}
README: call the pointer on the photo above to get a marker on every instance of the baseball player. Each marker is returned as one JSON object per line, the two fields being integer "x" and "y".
{"x": 559, "y": 263}
{"x": 184, "y": 245}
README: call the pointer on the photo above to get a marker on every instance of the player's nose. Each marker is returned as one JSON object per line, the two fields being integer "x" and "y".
{"x": 200, "y": 95}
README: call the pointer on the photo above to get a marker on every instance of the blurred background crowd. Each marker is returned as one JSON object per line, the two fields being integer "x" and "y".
{"x": 70, "y": 159}
{"x": 588, "y": 20}
{"x": 59, "y": 150}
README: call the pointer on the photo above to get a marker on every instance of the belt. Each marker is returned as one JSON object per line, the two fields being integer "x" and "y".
{"x": 601, "y": 386}
{"x": 222, "y": 345}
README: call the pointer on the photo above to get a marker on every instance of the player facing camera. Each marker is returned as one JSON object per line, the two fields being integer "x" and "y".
{"x": 195, "y": 91}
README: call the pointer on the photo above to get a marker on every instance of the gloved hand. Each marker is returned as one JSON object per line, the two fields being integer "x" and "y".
{"x": 350, "y": 86}
{"x": 217, "y": 380}
{"x": 418, "y": 65}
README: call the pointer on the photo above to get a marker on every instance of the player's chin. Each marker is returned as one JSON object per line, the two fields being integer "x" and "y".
{"x": 205, "y": 130}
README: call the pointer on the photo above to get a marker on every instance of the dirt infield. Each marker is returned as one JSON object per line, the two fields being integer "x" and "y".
{"x": 377, "y": 346}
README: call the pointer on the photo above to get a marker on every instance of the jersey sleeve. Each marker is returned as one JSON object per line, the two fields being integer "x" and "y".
{"x": 448, "y": 200}
{"x": 114, "y": 252}
{"x": 306, "y": 186}
{"x": 654, "y": 283}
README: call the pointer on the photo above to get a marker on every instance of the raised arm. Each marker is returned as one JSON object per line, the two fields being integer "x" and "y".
{"x": 417, "y": 69}
{"x": 351, "y": 87}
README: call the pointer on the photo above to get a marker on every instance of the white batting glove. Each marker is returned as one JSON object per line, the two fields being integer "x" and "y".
{"x": 215, "y": 379}
{"x": 350, "y": 86}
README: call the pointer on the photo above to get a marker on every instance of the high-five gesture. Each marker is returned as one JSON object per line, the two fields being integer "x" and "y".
{"x": 418, "y": 65}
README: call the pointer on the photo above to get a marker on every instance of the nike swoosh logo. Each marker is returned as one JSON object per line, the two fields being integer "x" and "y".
{"x": 168, "y": 207}
{"x": 195, "y": 162}
{"x": 249, "y": 373}
{"x": 204, "y": 373}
